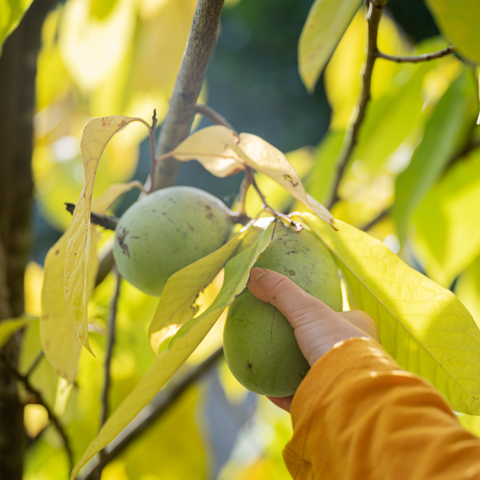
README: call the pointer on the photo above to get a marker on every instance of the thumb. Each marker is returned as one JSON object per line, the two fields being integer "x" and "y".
{"x": 278, "y": 290}
{"x": 317, "y": 327}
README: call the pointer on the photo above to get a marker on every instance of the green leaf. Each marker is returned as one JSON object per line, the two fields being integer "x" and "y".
{"x": 459, "y": 22}
{"x": 237, "y": 272}
{"x": 421, "y": 324}
{"x": 9, "y": 326}
{"x": 442, "y": 133}
{"x": 323, "y": 29}
{"x": 11, "y": 12}
{"x": 447, "y": 237}
{"x": 176, "y": 306}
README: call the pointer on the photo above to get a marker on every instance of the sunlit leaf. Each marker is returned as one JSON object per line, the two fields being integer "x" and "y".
{"x": 302, "y": 160}
{"x": 459, "y": 24}
{"x": 422, "y": 325}
{"x": 58, "y": 334}
{"x": 222, "y": 152}
{"x": 323, "y": 29}
{"x": 237, "y": 272}
{"x": 444, "y": 130}
{"x": 263, "y": 157}
{"x": 211, "y": 147}
{"x": 9, "y": 326}
{"x": 11, "y": 12}
{"x": 176, "y": 305}
{"x": 447, "y": 237}
{"x": 57, "y": 330}
{"x": 95, "y": 138}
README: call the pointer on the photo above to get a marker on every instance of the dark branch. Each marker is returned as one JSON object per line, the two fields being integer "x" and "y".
{"x": 214, "y": 116}
{"x": 35, "y": 363}
{"x": 108, "y": 355}
{"x": 176, "y": 126}
{"x": 373, "y": 222}
{"x": 39, "y": 399}
{"x": 418, "y": 58}
{"x": 105, "y": 221}
{"x": 105, "y": 266}
{"x": 160, "y": 406}
{"x": 151, "y": 131}
{"x": 375, "y": 9}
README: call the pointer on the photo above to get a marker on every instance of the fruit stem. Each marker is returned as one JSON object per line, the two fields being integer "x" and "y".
{"x": 151, "y": 131}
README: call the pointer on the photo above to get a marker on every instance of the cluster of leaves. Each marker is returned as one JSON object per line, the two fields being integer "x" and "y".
{"x": 415, "y": 163}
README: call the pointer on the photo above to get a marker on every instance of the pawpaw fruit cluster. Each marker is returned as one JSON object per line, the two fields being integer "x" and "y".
{"x": 166, "y": 231}
{"x": 259, "y": 343}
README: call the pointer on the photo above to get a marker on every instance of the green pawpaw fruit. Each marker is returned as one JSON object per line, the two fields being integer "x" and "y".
{"x": 166, "y": 231}
{"x": 259, "y": 343}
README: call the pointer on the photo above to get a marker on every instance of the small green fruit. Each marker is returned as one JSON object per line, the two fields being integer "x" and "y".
{"x": 259, "y": 343}
{"x": 166, "y": 231}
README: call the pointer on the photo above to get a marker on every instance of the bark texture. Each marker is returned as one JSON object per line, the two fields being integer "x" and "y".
{"x": 178, "y": 121}
{"x": 17, "y": 103}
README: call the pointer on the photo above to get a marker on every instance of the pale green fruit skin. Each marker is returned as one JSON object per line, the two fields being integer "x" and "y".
{"x": 165, "y": 232}
{"x": 259, "y": 343}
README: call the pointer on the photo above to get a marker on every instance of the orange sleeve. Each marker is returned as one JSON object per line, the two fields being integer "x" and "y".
{"x": 358, "y": 416}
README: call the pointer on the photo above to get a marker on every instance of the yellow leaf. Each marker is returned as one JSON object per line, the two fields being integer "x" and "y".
{"x": 325, "y": 25}
{"x": 58, "y": 334}
{"x": 222, "y": 152}
{"x": 422, "y": 325}
{"x": 263, "y": 157}
{"x": 176, "y": 305}
{"x": 237, "y": 271}
{"x": 9, "y": 326}
{"x": 211, "y": 147}
{"x": 95, "y": 137}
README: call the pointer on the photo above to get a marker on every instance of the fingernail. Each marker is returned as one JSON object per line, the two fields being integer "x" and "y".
{"x": 256, "y": 273}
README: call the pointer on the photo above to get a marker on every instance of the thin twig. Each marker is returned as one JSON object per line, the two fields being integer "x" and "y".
{"x": 417, "y": 58}
{"x": 213, "y": 115}
{"x": 108, "y": 355}
{"x": 379, "y": 217}
{"x": 151, "y": 131}
{"x": 106, "y": 221}
{"x": 241, "y": 214}
{"x": 40, "y": 400}
{"x": 35, "y": 363}
{"x": 266, "y": 206}
{"x": 164, "y": 400}
{"x": 374, "y": 13}
{"x": 176, "y": 126}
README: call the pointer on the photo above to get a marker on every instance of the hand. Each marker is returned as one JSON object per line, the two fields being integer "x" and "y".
{"x": 317, "y": 327}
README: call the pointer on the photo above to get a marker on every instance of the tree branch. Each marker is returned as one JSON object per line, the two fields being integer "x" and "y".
{"x": 105, "y": 221}
{"x": 374, "y": 13}
{"x": 151, "y": 134}
{"x": 418, "y": 58}
{"x": 164, "y": 400}
{"x": 39, "y": 399}
{"x": 176, "y": 126}
{"x": 108, "y": 356}
{"x": 214, "y": 116}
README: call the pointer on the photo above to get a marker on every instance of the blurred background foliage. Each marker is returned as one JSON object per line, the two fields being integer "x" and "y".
{"x": 417, "y": 159}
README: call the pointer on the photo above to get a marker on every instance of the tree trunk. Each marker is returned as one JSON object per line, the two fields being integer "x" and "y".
{"x": 18, "y": 64}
